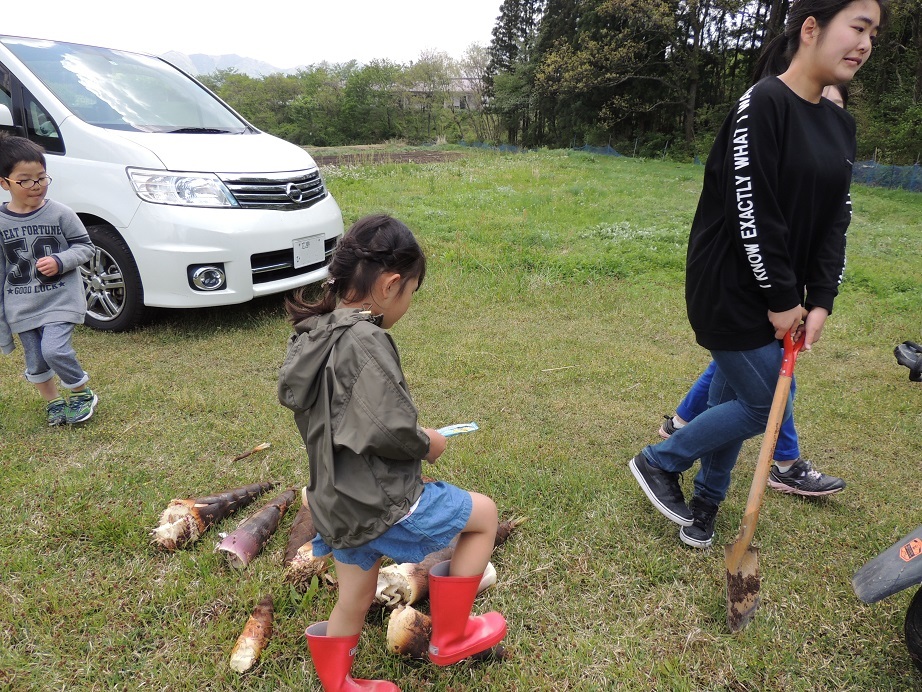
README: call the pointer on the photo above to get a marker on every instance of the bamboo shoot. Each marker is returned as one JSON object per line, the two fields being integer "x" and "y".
{"x": 409, "y": 631}
{"x": 304, "y": 567}
{"x": 184, "y": 521}
{"x": 248, "y": 539}
{"x": 302, "y": 531}
{"x": 408, "y": 583}
{"x": 255, "y": 636}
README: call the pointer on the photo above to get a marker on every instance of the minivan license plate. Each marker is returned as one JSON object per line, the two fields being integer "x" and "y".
{"x": 308, "y": 251}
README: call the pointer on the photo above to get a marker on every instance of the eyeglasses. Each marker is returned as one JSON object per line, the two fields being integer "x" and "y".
{"x": 44, "y": 181}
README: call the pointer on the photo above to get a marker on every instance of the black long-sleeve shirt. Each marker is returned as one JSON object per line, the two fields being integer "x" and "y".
{"x": 769, "y": 231}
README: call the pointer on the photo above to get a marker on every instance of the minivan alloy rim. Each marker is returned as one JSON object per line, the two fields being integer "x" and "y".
{"x": 104, "y": 286}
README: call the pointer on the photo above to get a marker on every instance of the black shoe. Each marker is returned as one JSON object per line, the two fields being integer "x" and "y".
{"x": 909, "y": 354}
{"x": 803, "y": 479}
{"x": 662, "y": 489}
{"x": 701, "y": 533}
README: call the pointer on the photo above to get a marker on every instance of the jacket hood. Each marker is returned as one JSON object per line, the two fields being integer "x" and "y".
{"x": 308, "y": 351}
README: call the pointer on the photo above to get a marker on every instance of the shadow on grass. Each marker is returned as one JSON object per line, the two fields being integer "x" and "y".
{"x": 249, "y": 316}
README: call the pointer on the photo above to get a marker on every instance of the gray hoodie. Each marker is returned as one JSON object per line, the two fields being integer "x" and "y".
{"x": 342, "y": 378}
{"x": 28, "y": 299}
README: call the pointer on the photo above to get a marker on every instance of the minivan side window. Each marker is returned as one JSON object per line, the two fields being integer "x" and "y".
{"x": 6, "y": 99}
{"x": 41, "y": 127}
{"x": 6, "y": 94}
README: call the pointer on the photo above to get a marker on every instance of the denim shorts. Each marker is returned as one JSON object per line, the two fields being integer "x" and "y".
{"x": 440, "y": 515}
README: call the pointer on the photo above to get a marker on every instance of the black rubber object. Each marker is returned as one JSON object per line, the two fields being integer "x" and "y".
{"x": 913, "y": 629}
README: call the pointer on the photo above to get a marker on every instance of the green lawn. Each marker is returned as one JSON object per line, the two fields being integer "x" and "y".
{"x": 553, "y": 316}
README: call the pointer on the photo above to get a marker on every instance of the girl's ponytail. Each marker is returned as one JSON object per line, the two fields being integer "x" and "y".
{"x": 374, "y": 244}
{"x": 774, "y": 59}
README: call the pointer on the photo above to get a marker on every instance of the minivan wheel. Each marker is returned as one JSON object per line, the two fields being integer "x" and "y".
{"x": 114, "y": 295}
{"x": 913, "y": 629}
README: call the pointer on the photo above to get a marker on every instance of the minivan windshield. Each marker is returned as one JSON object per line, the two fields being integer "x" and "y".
{"x": 124, "y": 91}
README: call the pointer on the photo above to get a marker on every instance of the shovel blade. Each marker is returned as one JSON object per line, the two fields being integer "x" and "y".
{"x": 743, "y": 584}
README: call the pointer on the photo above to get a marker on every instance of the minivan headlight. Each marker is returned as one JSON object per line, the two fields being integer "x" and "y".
{"x": 184, "y": 189}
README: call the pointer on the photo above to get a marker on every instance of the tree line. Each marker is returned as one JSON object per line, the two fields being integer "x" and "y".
{"x": 649, "y": 77}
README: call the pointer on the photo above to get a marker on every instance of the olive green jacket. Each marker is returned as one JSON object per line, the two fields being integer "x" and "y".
{"x": 342, "y": 378}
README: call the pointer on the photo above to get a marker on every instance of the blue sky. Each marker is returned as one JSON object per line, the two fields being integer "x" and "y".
{"x": 284, "y": 34}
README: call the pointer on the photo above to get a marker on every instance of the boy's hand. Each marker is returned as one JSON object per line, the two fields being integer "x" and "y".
{"x": 47, "y": 266}
{"x": 437, "y": 444}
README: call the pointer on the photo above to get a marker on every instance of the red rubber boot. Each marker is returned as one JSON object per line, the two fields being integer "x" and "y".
{"x": 333, "y": 658}
{"x": 455, "y": 634}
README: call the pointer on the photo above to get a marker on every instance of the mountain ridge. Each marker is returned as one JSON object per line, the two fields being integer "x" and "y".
{"x": 200, "y": 63}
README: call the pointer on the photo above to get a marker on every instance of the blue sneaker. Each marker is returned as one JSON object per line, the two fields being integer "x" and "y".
{"x": 80, "y": 406}
{"x": 55, "y": 410}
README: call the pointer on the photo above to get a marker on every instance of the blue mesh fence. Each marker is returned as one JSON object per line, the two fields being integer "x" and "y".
{"x": 864, "y": 172}
{"x": 883, "y": 175}
{"x": 606, "y": 150}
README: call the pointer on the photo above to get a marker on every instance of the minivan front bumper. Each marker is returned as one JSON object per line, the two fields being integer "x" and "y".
{"x": 254, "y": 247}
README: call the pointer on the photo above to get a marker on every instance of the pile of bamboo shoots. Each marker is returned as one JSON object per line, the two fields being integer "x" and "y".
{"x": 399, "y": 587}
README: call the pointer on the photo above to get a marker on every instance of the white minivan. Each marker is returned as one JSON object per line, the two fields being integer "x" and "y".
{"x": 188, "y": 204}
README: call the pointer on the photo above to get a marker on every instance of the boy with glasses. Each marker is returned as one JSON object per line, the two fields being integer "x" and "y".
{"x": 41, "y": 291}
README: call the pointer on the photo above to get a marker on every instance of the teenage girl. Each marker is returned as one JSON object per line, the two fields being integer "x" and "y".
{"x": 342, "y": 378}
{"x": 767, "y": 246}
{"x": 790, "y": 473}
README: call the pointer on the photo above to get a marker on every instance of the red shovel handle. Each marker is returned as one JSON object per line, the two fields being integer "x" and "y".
{"x": 791, "y": 349}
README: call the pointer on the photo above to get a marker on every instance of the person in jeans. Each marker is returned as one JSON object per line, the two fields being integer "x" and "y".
{"x": 41, "y": 291}
{"x": 767, "y": 247}
{"x": 789, "y": 473}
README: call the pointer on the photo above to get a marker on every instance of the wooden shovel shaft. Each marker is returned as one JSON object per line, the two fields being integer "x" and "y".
{"x": 735, "y": 552}
{"x": 741, "y": 558}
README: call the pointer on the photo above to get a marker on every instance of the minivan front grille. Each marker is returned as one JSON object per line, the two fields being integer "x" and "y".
{"x": 284, "y": 191}
{"x": 280, "y": 264}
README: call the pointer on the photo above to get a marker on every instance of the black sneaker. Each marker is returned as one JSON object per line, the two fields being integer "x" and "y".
{"x": 803, "y": 479}
{"x": 909, "y": 354}
{"x": 701, "y": 533}
{"x": 667, "y": 428}
{"x": 662, "y": 489}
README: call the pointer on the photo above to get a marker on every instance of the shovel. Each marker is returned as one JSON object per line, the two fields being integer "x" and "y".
{"x": 741, "y": 557}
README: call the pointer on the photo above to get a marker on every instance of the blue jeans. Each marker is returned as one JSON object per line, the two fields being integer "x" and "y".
{"x": 739, "y": 401}
{"x": 696, "y": 401}
{"x": 49, "y": 351}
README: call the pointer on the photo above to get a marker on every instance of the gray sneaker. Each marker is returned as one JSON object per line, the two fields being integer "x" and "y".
{"x": 667, "y": 428}
{"x": 803, "y": 479}
{"x": 80, "y": 406}
{"x": 55, "y": 411}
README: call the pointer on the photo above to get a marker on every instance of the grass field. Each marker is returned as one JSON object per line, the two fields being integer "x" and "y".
{"x": 553, "y": 316}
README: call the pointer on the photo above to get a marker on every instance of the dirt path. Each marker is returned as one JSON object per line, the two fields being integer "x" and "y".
{"x": 366, "y": 158}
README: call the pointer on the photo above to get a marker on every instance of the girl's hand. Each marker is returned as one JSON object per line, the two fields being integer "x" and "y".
{"x": 816, "y": 318}
{"x": 786, "y": 321}
{"x": 437, "y": 444}
{"x": 47, "y": 266}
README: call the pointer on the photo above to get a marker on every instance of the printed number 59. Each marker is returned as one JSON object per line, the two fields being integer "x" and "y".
{"x": 22, "y": 273}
